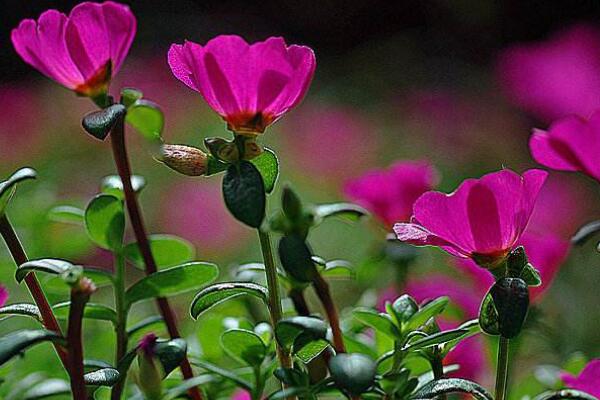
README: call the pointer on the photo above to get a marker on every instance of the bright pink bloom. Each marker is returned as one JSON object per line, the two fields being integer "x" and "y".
{"x": 249, "y": 85}
{"x": 147, "y": 343}
{"x": 241, "y": 395}
{"x": 570, "y": 144}
{"x": 390, "y": 193}
{"x": 557, "y": 77}
{"x": 82, "y": 51}
{"x": 587, "y": 381}
{"x": 3, "y": 295}
{"x": 483, "y": 219}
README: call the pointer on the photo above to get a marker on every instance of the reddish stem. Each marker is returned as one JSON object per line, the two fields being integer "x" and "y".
{"x": 322, "y": 289}
{"x": 74, "y": 338}
{"x": 122, "y": 163}
{"x": 20, "y": 257}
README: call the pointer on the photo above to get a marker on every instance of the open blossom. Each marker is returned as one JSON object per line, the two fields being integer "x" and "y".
{"x": 557, "y": 77}
{"x": 587, "y": 380}
{"x": 81, "y": 51}
{"x": 390, "y": 193}
{"x": 3, "y": 295}
{"x": 250, "y": 85}
{"x": 483, "y": 219}
{"x": 570, "y": 144}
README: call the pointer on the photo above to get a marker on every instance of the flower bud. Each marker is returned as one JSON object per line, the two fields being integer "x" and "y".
{"x": 150, "y": 372}
{"x": 186, "y": 160}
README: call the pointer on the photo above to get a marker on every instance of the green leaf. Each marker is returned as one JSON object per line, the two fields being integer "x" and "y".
{"x": 565, "y": 394}
{"x": 147, "y": 118}
{"x": 47, "y": 389}
{"x": 348, "y": 211}
{"x": 446, "y": 386}
{"x": 172, "y": 281}
{"x": 268, "y": 166}
{"x": 436, "y": 339}
{"x": 168, "y": 251}
{"x": 472, "y": 327}
{"x": 179, "y": 391}
{"x": 16, "y": 342}
{"x": 245, "y": 346}
{"x": 170, "y": 353}
{"x": 146, "y": 323}
{"x": 338, "y": 269}
{"x": 291, "y": 205}
{"x": 378, "y": 321}
{"x": 102, "y": 377}
{"x": 404, "y": 307}
{"x": 220, "y": 292}
{"x": 8, "y": 187}
{"x": 67, "y": 271}
{"x": 224, "y": 373}
{"x": 354, "y": 373}
{"x": 244, "y": 193}
{"x": 91, "y": 311}
{"x": 214, "y": 165}
{"x": 67, "y": 215}
{"x": 310, "y": 350}
{"x": 25, "y": 309}
{"x": 431, "y": 309}
{"x": 288, "y": 330}
{"x": 531, "y": 275}
{"x": 296, "y": 258}
{"x": 98, "y": 364}
{"x": 129, "y": 96}
{"x": 100, "y": 123}
{"x": 112, "y": 184}
{"x": 105, "y": 221}
{"x": 488, "y": 316}
{"x": 586, "y": 232}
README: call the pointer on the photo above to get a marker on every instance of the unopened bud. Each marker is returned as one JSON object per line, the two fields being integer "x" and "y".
{"x": 84, "y": 286}
{"x": 186, "y": 160}
{"x": 150, "y": 373}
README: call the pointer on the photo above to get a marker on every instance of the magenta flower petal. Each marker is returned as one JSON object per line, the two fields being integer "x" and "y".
{"x": 81, "y": 51}
{"x": 241, "y": 395}
{"x": 3, "y": 295}
{"x": 391, "y": 193}
{"x": 570, "y": 144}
{"x": 249, "y": 85}
{"x": 587, "y": 380}
{"x": 483, "y": 217}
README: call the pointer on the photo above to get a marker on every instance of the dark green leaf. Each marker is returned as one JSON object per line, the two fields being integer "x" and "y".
{"x": 220, "y": 292}
{"x": 431, "y": 309}
{"x": 102, "y": 377}
{"x": 291, "y": 205}
{"x": 67, "y": 214}
{"x": 168, "y": 251}
{"x": 488, "y": 316}
{"x": 147, "y": 118}
{"x": 296, "y": 258}
{"x": 565, "y": 394}
{"x": 172, "y": 281}
{"x": 436, "y": 339}
{"x": 100, "y": 123}
{"x": 25, "y": 309}
{"x": 47, "y": 389}
{"x": 268, "y": 166}
{"x": 130, "y": 95}
{"x": 290, "y": 393}
{"x": 214, "y": 165}
{"x": 354, "y": 373}
{"x": 91, "y": 311}
{"x": 531, "y": 275}
{"x": 97, "y": 364}
{"x": 105, "y": 221}
{"x": 244, "y": 193}
{"x": 8, "y": 187}
{"x": 446, "y": 386}
{"x": 16, "y": 342}
{"x": 65, "y": 269}
{"x": 245, "y": 346}
{"x": 349, "y": 211}
{"x": 380, "y": 322}
{"x": 404, "y": 307}
{"x": 112, "y": 184}
{"x": 511, "y": 300}
{"x": 224, "y": 373}
{"x": 179, "y": 391}
{"x": 586, "y": 232}
{"x": 170, "y": 353}
{"x": 288, "y": 330}
{"x": 146, "y": 323}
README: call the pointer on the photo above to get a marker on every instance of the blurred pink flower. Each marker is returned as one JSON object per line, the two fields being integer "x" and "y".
{"x": 570, "y": 144}
{"x": 19, "y": 129}
{"x": 3, "y": 295}
{"x": 390, "y": 193}
{"x": 483, "y": 219}
{"x": 556, "y": 77}
{"x": 329, "y": 141}
{"x": 195, "y": 211}
{"x": 241, "y": 395}
{"x": 250, "y": 86}
{"x": 82, "y": 51}
{"x": 587, "y": 381}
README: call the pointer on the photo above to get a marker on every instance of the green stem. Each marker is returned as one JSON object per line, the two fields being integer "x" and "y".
{"x": 273, "y": 285}
{"x": 502, "y": 368}
{"x": 121, "y": 325}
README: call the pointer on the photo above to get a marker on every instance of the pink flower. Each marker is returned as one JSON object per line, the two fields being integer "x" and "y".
{"x": 483, "y": 219}
{"x": 3, "y": 295}
{"x": 147, "y": 343}
{"x": 570, "y": 144}
{"x": 241, "y": 395}
{"x": 587, "y": 380}
{"x": 557, "y": 77}
{"x": 390, "y": 193}
{"x": 250, "y": 85}
{"x": 82, "y": 51}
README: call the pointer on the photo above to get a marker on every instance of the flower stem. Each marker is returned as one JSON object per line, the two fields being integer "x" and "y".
{"x": 273, "y": 285}
{"x": 122, "y": 163}
{"x": 322, "y": 289}
{"x": 78, "y": 300}
{"x": 121, "y": 325}
{"x": 20, "y": 257}
{"x": 502, "y": 368}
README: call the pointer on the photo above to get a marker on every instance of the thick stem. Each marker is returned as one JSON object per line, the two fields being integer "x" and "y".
{"x": 502, "y": 368}
{"x": 121, "y": 325}
{"x": 78, "y": 301}
{"x": 300, "y": 305}
{"x": 322, "y": 289}
{"x": 122, "y": 163}
{"x": 20, "y": 257}
{"x": 274, "y": 298}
